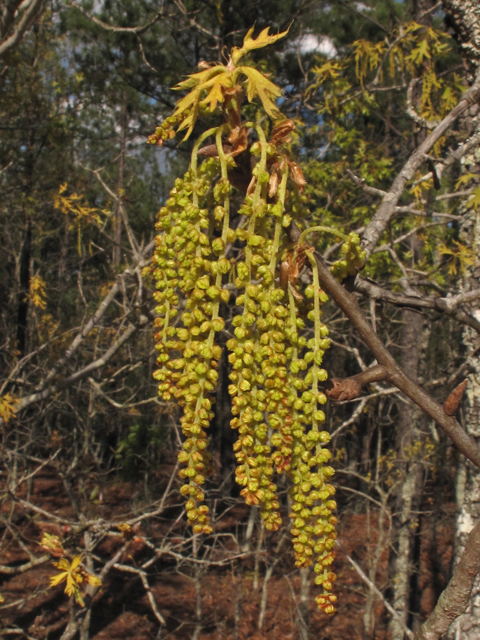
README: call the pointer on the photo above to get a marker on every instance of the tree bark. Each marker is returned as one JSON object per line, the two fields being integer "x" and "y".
{"x": 24, "y": 281}
{"x": 408, "y": 497}
{"x": 463, "y": 16}
{"x": 117, "y": 235}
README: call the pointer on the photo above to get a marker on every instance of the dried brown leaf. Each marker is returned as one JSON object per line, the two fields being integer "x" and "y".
{"x": 452, "y": 403}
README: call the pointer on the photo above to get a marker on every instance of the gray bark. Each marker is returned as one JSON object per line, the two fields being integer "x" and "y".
{"x": 405, "y": 525}
{"x": 463, "y": 16}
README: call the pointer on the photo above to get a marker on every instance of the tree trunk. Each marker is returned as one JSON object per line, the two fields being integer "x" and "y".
{"x": 117, "y": 235}
{"x": 303, "y": 603}
{"x": 408, "y": 497}
{"x": 463, "y": 16}
{"x": 24, "y": 281}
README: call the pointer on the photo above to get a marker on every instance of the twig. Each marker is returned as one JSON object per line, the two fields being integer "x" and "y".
{"x": 97, "y": 316}
{"x": 380, "y": 220}
{"x": 109, "y": 27}
{"x": 82, "y": 373}
{"x": 360, "y": 182}
{"x": 448, "y": 305}
{"x": 426, "y": 124}
{"x": 378, "y": 593}
{"x": 35, "y": 562}
{"x": 352, "y": 419}
{"x": 143, "y": 577}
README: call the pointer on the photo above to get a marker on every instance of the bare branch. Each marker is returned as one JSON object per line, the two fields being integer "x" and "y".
{"x": 340, "y": 389}
{"x": 448, "y": 304}
{"x": 425, "y": 124}
{"x": 32, "y": 10}
{"x": 26, "y": 566}
{"x": 143, "y": 577}
{"x": 379, "y": 222}
{"x": 109, "y": 27}
{"x": 378, "y": 593}
{"x": 97, "y": 316}
{"x": 360, "y": 182}
{"x": 82, "y": 373}
{"x": 195, "y": 24}
{"x": 353, "y": 417}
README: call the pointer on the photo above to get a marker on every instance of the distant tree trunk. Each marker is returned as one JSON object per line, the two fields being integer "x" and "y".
{"x": 117, "y": 235}
{"x": 303, "y": 603}
{"x": 62, "y": 263}
{"x": 408, "y": 498}
{"x": 24, "y": 282}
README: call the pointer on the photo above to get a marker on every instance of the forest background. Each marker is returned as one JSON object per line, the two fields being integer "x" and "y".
{"x": 384, "y": 97}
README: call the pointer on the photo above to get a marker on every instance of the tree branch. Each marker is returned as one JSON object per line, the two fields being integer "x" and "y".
{"x": 379, "y": 222}
{"x": 108, "y": 27}
{"x": 341, "y": 389}
{"x": 31, "y": 12}
{"x": 378, "y": 593}
{"x": 448, "y": 304}
{"x": 347, "y": 302}
{"x": 454, "y": 599}
{"x": 26, "y": 401}
{"x": 94, "y": 320}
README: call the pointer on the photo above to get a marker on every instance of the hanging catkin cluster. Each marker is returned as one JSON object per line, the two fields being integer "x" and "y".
{"x": 208, "y": 245}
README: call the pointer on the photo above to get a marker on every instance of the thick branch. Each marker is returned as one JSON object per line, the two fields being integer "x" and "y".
{"x": 347, "y": 302}
{"x": 454, "y": 600}
{"x": 448, "y": 305}
{"x": 340, "y": 389}
{"x": 31, "y": 12}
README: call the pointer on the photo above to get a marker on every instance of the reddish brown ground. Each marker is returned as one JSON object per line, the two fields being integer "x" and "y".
{"x": 121, "y": 609}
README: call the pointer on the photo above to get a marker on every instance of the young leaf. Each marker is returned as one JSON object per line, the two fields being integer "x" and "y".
{"x": 259, "y": 85}
{"x": 475, "y": 199}
{"x": 249, "y": 43}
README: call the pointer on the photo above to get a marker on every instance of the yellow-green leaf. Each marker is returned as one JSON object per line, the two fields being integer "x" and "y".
{"x": 60, "y": 577}
{"x": 475, "y": 199}
{"x": 249, "y": 43}
{"x": 7, "y": 406}
{"x": 464, "y": 179}
{"x": 92, "y": 580}
{"x": 266, "y": 90}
